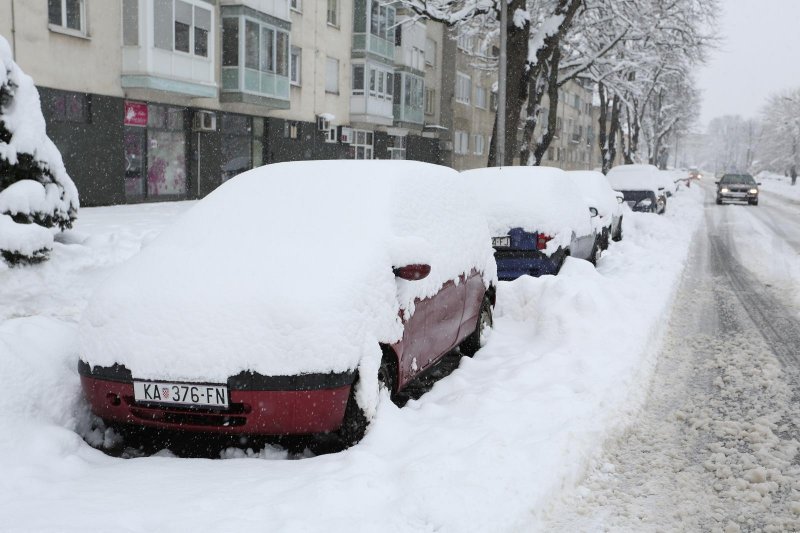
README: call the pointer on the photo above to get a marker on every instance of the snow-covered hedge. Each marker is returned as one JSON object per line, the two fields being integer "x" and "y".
{"x": 35, "y": 190}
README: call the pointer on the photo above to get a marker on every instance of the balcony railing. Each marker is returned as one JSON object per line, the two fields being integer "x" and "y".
{"x": 367, "y": 42}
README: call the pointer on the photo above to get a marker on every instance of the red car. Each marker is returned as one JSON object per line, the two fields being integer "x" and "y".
{"x": 302, "y": 349}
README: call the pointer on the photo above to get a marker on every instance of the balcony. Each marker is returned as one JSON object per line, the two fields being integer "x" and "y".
{"x": 369, "y": 43}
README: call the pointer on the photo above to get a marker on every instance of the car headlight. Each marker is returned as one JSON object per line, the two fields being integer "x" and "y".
{"x": 753, "y": 191}
{"x": 724, "y": 190}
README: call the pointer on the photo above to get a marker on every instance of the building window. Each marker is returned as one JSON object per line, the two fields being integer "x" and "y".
{"x": 430, "y": 52}
{"x": 480, "y": 97}
{"x": 381, "y": 83}
{"x": 463, "y": 87}
{"x": 358, "y": 80}
{"x": 478, "y": 141}
{"x": 333, "y": 12}
{"x": 296, "y": 5}
{"x": 461, "y": 142}
{"x": 130, "y": 22}
{"x": 397, "y": 147}
{"x": 430, "y": 101}
{"x": 465, "y": 42}
{"x": 69, "y": 14}
{"x": 332, "y": 75}
{"x": 362, "y": 144}
{"x": 296, "y": 65}
{"x": 182, "y": 27}
{"x": 265, "y": 48}
{"x": 236, "y": 156}
{"x": 70, "y": 107}
{"x": 166, "y": 151}
{"x": 382, "y": 20}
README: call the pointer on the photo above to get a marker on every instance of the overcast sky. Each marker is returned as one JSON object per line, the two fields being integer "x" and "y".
{"x": 759, "y": 55}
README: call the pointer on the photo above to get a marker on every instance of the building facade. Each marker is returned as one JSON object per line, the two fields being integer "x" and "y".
{"x": 154, "y": 100}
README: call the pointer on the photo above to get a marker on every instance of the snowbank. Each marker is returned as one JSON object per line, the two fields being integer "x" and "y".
{"x": 538, "y": 199}
{"x": 264, "y": 276}
{"x": 778, "y": 184}
{"x": 486, "y": 450}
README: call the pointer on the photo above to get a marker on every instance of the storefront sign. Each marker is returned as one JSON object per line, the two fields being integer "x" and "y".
{"x": 135, "y": 114}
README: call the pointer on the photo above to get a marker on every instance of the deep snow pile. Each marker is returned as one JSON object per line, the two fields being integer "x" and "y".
{"x": 779, "y": 184}
{"x": 35, "y": 190}
{"x": 485, "y": 450}
{"x": 287, "y": 282}
{"x": 537, "y": 199}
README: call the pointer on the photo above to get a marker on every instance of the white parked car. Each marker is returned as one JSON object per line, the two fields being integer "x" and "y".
{"x": 598, "y": 193}
{"x": 537, "y": 218}
{"x": 642, "y": 187}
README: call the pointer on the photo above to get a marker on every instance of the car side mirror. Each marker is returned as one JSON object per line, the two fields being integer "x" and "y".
{"x": 412, "y": 272}
{"x": 759, "y": 183}
{"x": 620, "y": 199}
{"x": 716, "y": 183}
{"x": 593, "y": 211}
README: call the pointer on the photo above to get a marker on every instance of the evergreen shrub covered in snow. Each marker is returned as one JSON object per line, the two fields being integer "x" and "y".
{"x": 37, "y": 196}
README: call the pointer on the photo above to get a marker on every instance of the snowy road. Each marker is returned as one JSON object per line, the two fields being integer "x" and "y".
{"x": 716, "y": 446}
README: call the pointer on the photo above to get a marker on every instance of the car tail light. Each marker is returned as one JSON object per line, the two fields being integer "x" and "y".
{"x": 542, "y": 240}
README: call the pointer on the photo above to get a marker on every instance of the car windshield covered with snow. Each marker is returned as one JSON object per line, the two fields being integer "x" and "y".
{"x": 537, "y": 217}
{"x": 257, "y": 311}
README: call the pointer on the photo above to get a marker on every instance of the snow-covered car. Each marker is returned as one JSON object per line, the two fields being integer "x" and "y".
{"x": 280, "y": 302}
{"x": 537, "y": 218}
{"x": 737, "y": 187}
{"x": 598, "y": 193}
{"x": 641, "y": 187}
{"x": 669, "y": 181}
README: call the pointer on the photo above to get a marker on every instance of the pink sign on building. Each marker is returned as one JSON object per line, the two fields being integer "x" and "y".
{"x": 135, "y": 114}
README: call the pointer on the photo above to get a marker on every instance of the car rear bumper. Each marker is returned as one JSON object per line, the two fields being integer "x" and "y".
{"x": 512, "y": 264}
{"x": 258, "y": 405}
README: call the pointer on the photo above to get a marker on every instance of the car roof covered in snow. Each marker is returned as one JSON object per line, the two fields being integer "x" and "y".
{"x": 539, "y": 199}
{"x": 596, "y": 190}
{"x": 287, "y": 269}
{"x": 635, "y": 178}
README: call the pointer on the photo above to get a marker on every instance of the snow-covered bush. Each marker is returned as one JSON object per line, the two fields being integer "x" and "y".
{"x": 37, "y": 196}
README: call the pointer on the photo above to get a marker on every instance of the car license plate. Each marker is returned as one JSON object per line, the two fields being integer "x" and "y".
{"x": 738, "y": 194}
{"x": 501, "y": 241}
{"x": 181, "y": 394}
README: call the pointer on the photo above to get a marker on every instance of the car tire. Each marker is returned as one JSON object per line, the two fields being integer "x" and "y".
{"x": 595, "y": 255}
{"x": 753, "y": 202}
{"x": 719, "y": 201}
{"x": 355, "y": 423}
{"x": 618, "y": 235}
{"x": 473, "y": 343}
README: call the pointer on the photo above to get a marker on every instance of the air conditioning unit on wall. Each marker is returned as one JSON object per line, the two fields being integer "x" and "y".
{"x": 205, "y": 121}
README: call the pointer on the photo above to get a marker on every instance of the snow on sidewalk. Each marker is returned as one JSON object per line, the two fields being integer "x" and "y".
{"x": 485, "y": 450}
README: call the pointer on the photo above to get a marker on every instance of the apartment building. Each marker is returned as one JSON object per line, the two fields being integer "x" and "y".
{"x": 166, "y": 99}
{"x": 574, "y": 146}
{"x": 473, "y": 77}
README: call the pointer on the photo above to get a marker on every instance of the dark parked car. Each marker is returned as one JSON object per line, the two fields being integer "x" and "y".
{"x": 737, "y": 187}
{"x": 537, "y": 218}
{"x": 642, "y": 186}
{"x": 280, "y": 302}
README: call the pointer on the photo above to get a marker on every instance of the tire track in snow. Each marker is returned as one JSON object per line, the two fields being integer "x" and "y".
{"x": 716, "y": 445}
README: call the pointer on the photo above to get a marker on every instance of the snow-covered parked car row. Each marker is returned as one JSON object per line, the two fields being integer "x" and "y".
{"x": 644, "y": 187}
{"x": 322, "y": 282}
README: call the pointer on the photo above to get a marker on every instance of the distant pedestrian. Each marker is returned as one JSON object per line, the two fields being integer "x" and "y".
{"x": 794, "y": 174}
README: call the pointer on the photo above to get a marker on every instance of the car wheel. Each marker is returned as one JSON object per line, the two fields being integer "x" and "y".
{"x": 477, "y": 338}
{"x": 595, "y": 255}
{"x": 719, "y": 201}
{"x": 618, "y": 235}
{"x": 354, "y": 424}
{"x": 753, "y": 202}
